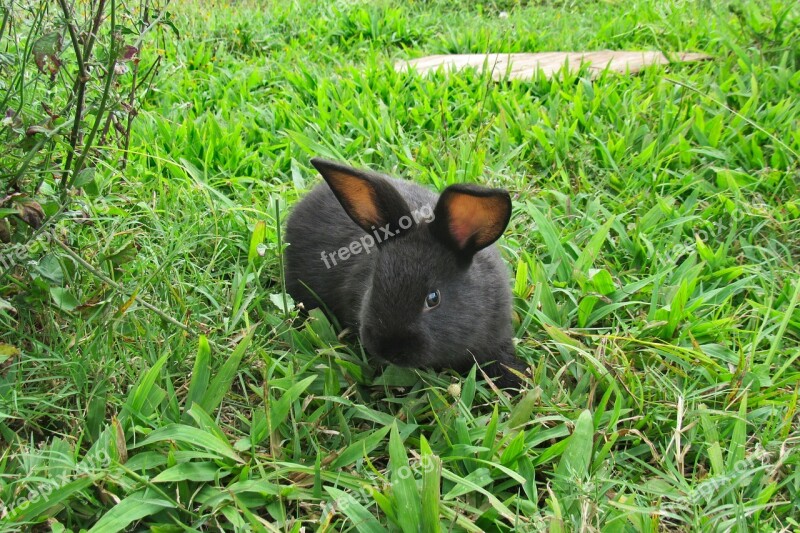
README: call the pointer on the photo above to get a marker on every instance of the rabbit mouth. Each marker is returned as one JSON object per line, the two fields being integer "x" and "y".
{"x": 405, "y": 362}
{"x": 398, "y": 349}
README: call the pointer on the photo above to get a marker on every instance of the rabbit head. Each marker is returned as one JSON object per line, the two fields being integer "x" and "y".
{"x": 436, "y": 293}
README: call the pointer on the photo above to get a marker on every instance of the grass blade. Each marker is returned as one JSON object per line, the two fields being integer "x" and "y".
{"x": 404, "y": 486}
{"x": 200, "y": 373}
{"x": 222, "y": 381}
{"x": 129, "y": 510}
{"x": 193, "y": 438}
{"x": 362, "y": 519}
{"x": 431, "y": 492}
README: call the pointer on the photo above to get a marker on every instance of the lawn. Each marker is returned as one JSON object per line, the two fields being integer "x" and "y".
{"x": 155, "y": 376}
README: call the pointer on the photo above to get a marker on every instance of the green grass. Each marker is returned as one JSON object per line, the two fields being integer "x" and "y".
{"x": 653, "y": 251}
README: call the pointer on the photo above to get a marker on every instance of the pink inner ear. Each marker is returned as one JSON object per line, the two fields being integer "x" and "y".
{"x": 358, "y": 196}
{"x": 475, "y": 218}
{"x": 466, "y": 219}
{"x": 462, "y": 231}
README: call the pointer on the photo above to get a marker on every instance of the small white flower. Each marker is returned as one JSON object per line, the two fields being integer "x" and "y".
{"x": 454, "y": 390}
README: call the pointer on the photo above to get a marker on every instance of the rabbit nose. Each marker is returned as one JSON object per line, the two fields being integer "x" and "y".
{"x": 395, "y": 347}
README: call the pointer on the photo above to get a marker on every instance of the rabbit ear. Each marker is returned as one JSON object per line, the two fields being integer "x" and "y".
{"x": 469, "y": 218}
{"x": 369, "y": 199}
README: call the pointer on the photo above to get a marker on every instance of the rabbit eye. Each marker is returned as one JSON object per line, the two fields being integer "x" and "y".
{"x": 433, "y": 299}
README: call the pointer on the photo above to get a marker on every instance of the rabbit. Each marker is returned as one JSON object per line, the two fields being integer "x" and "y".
{"x": 416, "y": 274}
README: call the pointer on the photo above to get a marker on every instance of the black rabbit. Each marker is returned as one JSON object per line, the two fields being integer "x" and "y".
{"x": 415, "y": 273}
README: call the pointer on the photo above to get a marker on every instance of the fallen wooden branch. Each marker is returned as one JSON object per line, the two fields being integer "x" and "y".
{"x": 527, "y": 66}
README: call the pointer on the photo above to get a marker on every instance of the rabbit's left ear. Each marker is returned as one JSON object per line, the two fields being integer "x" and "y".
{"x": 368, "y": 198}
{"x": 469, "y": 218}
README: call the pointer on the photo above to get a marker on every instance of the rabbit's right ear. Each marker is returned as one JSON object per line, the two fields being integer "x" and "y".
{"x": 469, "y": 218}
{"x": 370, "y": 200}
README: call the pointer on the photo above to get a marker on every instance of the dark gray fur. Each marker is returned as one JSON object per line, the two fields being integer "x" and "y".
{"x": 381, "y": 294}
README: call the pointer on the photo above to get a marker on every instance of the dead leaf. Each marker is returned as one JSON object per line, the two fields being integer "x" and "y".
{"x": 7, "y": 355}
{"x": 5, "y": 231}
{"x": 31, "y": 212}
{"x": 130, "y": 53}
{"x": 45, "y": 53}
